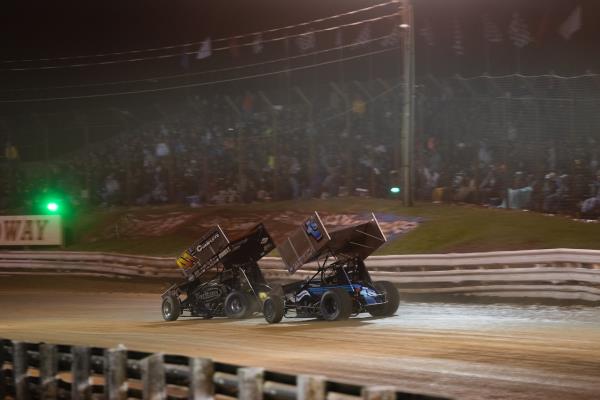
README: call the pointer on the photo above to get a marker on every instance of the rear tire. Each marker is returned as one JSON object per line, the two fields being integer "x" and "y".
{"x": 392, "y": 298}
{"x": 273, "y": 309}
{"x": 171, "y": 308}
{"x": 336, "y": 305}
{"x": 238, "y": 305}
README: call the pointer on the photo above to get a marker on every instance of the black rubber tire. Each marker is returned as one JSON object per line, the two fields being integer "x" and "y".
{"x": 273, "y": 309}
{"x": 171, "y": 308}
{"x": 238, "y": 305}
{"x": 336, "y": 305}
{"x": 392, "y": 298}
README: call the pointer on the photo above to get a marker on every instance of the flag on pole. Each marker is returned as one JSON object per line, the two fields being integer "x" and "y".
{"x": 338, "y": 41}
{"x": 427, "y": 33}
{"x": 363, "y": 36}
{"x": 491, "y": 32}
{"x": 393, "y": 39}
{"x": 306, "y": 41}
{"x": 257, "y": 45}
{"x": 572, "y": 24}
{"x": 234, "y": 49}
{"x": 457, "y": 44}
{"x": 205, "y": 50}
{"x": 518, "y": 32}
{"x": 185, "y": 61}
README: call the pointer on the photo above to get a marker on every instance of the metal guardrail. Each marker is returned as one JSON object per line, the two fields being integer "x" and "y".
{"x": 547, "y": 273}
{"x": 48, "y": 371}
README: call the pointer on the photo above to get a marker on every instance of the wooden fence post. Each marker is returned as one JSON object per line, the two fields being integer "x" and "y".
{"x": 19, "y": 364}
{"x": 379, "y": 393}
{"x": 48, "y": 371}
{"x": 310, "y": 387}
{"x": 250, "y": 383}
{"x": 201, "y": 379}
{"x": 80, "y": 370}
{"x": 115, "y": 373}
{"x": 153, "y": 377}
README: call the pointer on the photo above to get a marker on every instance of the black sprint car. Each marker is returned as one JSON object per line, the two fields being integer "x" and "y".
{"x": 222, "y": 277}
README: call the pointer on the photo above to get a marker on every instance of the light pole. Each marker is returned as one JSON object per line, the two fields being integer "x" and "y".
{"x": 408, "y": 119}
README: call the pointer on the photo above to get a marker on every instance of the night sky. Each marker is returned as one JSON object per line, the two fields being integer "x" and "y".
{"x": 60, "y": 28}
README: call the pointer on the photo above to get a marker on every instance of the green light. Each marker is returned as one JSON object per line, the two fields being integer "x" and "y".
{"x": 52, "y": 206}
{"x": 395, "y": 190}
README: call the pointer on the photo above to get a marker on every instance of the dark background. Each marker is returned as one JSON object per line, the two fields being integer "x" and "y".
{"x": 34, "y": 30}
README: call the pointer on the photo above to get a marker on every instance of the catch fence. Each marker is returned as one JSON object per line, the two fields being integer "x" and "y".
{"x": 536, "y": 134}
{"x": 48, "y": 371}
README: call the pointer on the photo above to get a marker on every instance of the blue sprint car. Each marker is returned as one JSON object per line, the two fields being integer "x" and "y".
{"x": 341, "y": 286}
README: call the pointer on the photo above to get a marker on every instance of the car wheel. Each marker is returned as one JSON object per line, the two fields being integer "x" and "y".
{"x": 336, "y": 305}
{"x": 238, "y": 305}
{"x": 273, "y": 309}
{"x": 392, "y": 298}
{"x": 171, "y": 308}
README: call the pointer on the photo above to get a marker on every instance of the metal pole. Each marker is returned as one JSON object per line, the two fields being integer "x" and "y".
{"x": 349, "y": 181}
{"x": 312, "y": 154}
{"x": 239, "y": 144}
{"x": 407, "y": 134}
{"x": 274, "y": 146}
{"x": 44, "y": 127}
{"x": 88, "y": 174}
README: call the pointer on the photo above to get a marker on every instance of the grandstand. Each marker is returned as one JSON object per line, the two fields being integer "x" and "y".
{"x": 312, "y": 109}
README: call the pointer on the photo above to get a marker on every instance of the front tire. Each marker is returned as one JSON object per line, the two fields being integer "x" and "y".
{"x": 171, "y": 308}
{"x": 392, "y": 298}
{"x": 273, "y": 309}
{"x": 238, "y": 305}
{"x": 336, "y": 305}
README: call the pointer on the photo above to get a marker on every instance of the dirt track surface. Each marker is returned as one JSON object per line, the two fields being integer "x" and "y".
{"x": 463, "y": 351}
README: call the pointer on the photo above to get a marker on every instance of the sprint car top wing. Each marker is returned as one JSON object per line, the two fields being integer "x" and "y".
{"x": 215, "y": 247}
{"x": 204, "y": 253}
{"x": 311, "y": 241}
{"x": 250, "y": 247}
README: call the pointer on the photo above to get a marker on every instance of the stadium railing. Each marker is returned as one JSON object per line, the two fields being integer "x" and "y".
{"x": 547, "y": 273}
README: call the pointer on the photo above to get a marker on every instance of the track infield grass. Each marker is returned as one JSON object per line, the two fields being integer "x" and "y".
{"x": 445, "y": 228}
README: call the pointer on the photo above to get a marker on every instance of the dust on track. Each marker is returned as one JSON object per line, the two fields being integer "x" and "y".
{"x": 469, "y": 351}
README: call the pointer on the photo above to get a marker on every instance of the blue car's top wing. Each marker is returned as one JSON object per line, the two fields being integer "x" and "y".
{"x": 311, "y": 241}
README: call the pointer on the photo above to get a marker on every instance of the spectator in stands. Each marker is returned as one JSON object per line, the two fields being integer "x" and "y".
{"x": 430, "y": 179}
{"x": 111, "y": 192}
{"x": 10, "y": 152}
{"x": 556, "y": 192}
{"x": 519, "y": 194}
{"x": 491, "y": 189}
{"x": 591, "y": 205}
{"x": 464, "y": 188}
{"x": 483, "y": 155}
{"x": 162, "y": 149}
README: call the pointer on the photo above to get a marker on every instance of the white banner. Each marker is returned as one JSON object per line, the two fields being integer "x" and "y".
{"x": 28, "y": 230}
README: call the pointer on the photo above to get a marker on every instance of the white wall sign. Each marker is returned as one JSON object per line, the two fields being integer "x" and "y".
{"x": 30, "y": 230}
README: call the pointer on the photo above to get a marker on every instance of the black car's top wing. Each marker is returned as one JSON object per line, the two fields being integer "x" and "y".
{"x": 250, "y": 247}
{"x": 311, "y": 241}
{"x": 215, "y": 247}
{"x": 204, "y": 253}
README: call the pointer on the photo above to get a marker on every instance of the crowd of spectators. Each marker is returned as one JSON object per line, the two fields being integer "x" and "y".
{"x": 244, "y": 149}
{"x": 533, "y": 156}
{"x": 221, "y": 150}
